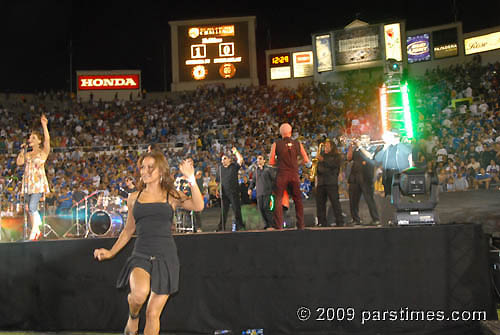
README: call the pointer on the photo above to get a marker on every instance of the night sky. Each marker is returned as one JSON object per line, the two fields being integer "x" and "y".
{"x": 38, "y": 35}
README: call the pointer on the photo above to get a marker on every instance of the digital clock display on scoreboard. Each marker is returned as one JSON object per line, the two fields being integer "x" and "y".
{"x": 279, "y": 60}
{"x": 214, "y": 52}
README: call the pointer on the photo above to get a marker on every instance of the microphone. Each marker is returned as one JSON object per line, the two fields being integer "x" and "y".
{"x": 25, "y": 147}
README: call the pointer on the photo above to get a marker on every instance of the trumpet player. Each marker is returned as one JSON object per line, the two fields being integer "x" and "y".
{"x": 361, "y": 182}
{"x": 327, "y": 186}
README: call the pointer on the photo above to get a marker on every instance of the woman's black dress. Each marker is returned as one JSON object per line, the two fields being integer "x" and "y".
{"x": 154, "y": 250}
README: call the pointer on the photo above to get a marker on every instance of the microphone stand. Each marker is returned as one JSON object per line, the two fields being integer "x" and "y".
{"x": 1, "y": 203}
{"x": 25, "y": 192}
{"x": 221, "y": 203}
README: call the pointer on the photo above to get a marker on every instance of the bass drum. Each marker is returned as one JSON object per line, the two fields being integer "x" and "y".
{"x": 105, "y": 224}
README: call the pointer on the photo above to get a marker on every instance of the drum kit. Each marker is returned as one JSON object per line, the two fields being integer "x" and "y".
{"x": 184, "y": 221}
{"x": 98, "y": 215}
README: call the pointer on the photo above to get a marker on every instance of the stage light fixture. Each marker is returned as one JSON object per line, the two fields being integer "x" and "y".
{"x": 414, "y": 194}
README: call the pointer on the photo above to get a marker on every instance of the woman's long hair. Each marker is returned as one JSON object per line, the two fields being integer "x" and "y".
{"x": 167, "y": 181}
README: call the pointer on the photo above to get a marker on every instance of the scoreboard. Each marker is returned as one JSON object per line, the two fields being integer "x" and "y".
{"x": 213, "y": 51}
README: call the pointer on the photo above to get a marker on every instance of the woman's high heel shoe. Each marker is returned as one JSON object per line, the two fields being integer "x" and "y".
{"x": 36, "y": 237}
{"x": 126, "y": 331}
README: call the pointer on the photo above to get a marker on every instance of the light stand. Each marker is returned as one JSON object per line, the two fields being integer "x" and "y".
{"x": 25, "y": 193}
{"x": 47, "y": 229}
{"x": 78, "y": 208}
{"x": 221, "y": 201}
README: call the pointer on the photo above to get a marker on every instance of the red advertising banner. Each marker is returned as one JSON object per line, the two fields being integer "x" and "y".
{"x": 109, "y": 82}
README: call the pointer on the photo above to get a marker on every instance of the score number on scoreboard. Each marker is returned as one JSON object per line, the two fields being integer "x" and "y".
{"x": 213, "y": 47}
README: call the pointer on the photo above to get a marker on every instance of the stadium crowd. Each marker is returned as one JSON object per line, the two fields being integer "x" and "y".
{"x": 96, "y": 144}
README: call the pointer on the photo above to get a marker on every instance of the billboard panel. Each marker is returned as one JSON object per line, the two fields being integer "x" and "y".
{"x": 392, "y": 38}
{"x": 418, "y": 48}
{"x": 108, "y": 82}
{"x": 357, "y": 45}
{"x": 303, "y": 64}
{"x": 282, "y": 72}
{"x": 445, "y": 43}
{"x": 323, "y": 45}
{"x": 482, "y": 43}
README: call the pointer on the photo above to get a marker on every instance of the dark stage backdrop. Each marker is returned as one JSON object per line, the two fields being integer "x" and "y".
{"x": 261, "y": 279}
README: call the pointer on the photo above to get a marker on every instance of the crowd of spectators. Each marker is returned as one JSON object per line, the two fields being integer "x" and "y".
{"x": 462, "y": 142}
{"x": 96, "y": 144}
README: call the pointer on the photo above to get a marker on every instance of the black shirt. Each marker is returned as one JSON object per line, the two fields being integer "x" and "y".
{"x": 287, "y": 151}
{"x": 362, "y": 169}
{"x": 328, "y": 169}
{"x": 245, "y": 199}
{"x": 228, "y": 178}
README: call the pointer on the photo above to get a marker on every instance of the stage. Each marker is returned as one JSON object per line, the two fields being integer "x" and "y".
{"x": 354, "y": 280}
{"x": 482, "y": 206}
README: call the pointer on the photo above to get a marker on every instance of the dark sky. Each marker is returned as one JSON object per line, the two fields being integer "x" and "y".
{"x": 123, "y": 34}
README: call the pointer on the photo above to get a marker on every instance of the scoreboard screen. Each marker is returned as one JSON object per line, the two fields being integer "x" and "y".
{"x": 358, "y": 45}
{"x": 213, "y": 51}
{"x": 277, "y": 60}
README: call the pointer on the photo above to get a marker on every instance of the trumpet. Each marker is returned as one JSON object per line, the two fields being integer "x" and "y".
{"x": 363, "y": 142}
{"x": 314, "y": 167}
{"x": 372, "y": 143}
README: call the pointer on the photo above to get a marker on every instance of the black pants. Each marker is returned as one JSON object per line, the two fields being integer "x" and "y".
{"x": 355, "y": 192}
{"x": 196, "y": 220}
{"x": 264, "y": 210}
{"x": 387, "y": 180}
{"x": 323, "y": 193}
{"x": 232, "y": 199}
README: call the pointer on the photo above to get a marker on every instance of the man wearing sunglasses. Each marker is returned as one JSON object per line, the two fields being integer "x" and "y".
{"x": 228, "y": 189}
{"x": 263, "y": 182}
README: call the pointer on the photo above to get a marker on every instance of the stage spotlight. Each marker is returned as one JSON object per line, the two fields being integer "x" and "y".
{"x": 415, "y": 196}
{"x": 393, "y": 67}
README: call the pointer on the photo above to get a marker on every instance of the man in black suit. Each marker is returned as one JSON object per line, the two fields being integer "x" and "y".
{"x": 263, "y": 181}
{"x": 361, "y": 182}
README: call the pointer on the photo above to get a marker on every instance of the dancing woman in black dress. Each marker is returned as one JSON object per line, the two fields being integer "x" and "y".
{"x": 153, "y": 268}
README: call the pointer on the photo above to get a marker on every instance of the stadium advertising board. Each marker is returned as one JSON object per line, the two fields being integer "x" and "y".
{"x": 482, "y": 43}
{"x": 418, "y": 48}
{"x": 303, "y": 64}
{"x": 283, "y": 72}
{"x": 392, "y": 38}
{"x": 357, "y": 45}
{"x": 323, "y": 46}
{"x": 108, "y": 82}
{"x": 445, "y": 43}
{"x": 213, "y": 51}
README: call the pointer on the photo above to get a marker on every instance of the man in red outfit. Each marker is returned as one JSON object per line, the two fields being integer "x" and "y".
{"x": 284, "y": 153}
